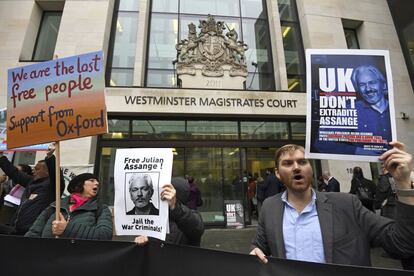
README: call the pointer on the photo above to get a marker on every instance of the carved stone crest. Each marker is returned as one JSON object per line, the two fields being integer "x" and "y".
{"x": 211, "y": 51}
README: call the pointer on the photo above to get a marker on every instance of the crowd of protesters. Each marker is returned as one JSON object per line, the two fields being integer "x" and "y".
{"x": 286, "y": 201}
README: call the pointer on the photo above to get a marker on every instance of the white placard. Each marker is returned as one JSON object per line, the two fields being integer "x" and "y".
{"x": 139, "y": 177}
{"x": 350, "y": 104}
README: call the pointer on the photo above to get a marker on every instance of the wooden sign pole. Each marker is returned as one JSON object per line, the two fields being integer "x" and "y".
{"x": 57, "y": 155}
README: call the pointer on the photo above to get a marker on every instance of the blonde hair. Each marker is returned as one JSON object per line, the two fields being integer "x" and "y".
{"x": 286, "y": 148}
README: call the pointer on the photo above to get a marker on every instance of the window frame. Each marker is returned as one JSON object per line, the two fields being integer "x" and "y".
{"x": 39, "y": 32}
{"x": 240, "y": 19}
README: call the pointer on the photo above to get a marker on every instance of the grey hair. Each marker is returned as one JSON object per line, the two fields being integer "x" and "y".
{"x": 139, "y": 176}
{"x": 374, "y": 70}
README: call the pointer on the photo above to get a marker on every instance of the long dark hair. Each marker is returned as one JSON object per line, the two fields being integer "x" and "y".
{"x": 357, "y": 173}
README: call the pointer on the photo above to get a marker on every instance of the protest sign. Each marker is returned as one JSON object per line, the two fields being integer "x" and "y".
{"x": 350, "y": 104}
{"x": 56, "y": 100}
{"x": 3, "y": 136}
{"x": 70, "y": 171}
{"x": 139, "y": 177}
{"x": 234, "y": 214}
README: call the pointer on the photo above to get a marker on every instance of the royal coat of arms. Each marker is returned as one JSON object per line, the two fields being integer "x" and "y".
{"x": 211, "y": 49}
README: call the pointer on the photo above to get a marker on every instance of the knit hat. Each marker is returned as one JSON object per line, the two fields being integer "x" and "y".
{"x": 76, "y": 184}
{"x": 182, "y": 189}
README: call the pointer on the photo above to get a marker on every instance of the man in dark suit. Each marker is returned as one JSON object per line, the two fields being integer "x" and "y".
{"x": 141, "y": 191}
{"x": 303, "y": 224}
{"x": 332, "y": 185}
{"x": 272, "y": 184}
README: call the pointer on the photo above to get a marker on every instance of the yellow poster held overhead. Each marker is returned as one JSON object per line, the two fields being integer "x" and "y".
{"x": 56, "y": 100}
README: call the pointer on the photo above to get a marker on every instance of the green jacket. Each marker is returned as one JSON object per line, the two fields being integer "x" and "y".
{"x": 88, "y": 222}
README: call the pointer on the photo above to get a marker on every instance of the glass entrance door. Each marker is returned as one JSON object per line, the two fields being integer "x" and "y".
{"x": 256, "y": 161}
{"x": 216, "y": 172}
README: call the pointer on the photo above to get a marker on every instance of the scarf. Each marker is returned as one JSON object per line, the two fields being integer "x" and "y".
{"x": 76, "y": 200}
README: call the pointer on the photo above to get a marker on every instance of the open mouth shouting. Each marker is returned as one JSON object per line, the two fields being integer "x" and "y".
{"x": 298, "y": 178}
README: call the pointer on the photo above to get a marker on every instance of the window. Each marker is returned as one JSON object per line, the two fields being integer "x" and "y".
{"x": 350, "y": 30}
{"x": 292, "y": 45}
{"x": 169, "y": 20}
{"x": 155, "y": 129}
{"x": 121, "y": 58}
{"x": 47, "y": 36}
{"x": 264, "y": 130}
{"x": 298, "y": 130}
{"x": 402, "y": 14}
{"x": 214, "y": 130}
{"x": 351, "y": 39}
{"x": 219, "y": 154}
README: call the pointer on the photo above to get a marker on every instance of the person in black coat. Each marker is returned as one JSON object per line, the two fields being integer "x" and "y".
{"x": 271, "y": 186}
{"x": 39, "y": 191}
{"x": 332, "y": 185}
{"x": 386, "y": 195}
{"x": 359, "y": 184}
{"x": 186, "y": 225}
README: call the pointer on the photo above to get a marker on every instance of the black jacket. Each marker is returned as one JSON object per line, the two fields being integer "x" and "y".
{"x": 186, "y": 226}
{"x": 333, "y": 185}
{"x": 37, "y": 196}
{"x": 385, "y": 190}
{"x": 272, "y": 186}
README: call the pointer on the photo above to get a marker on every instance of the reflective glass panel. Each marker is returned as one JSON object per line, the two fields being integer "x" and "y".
{"x": 256, "y": 36}
{"x": 218, "y": 130}
{"x": 117, "y": 129}
{"x": 161, "y": 78}
{"x": 257, "y": 161}
{"x": 185, "y": 20}
{"x": 128, "y": 5}
{"x": 253, "y": 9}
{"x": 162, "y": 41}
{"x": 263, "y": 82}
{"x": 121, "y": 77}
{"x": 48, "y": 32}
{"x": 178, "y": 162}
{"x": 153, "y": 129}
{"x": 351, "y": 39}
{"x": 408, "y": 34}
{"x": 125, "y": 40}
{"x": 296, "y": 83}
{"x": 106, "y": 175}
{"x": 287, "y": 10}
{"x": 291, "y": 44}
{"x": 264, "y": 130}
{"x": 165, "y": 6}
{"x": 298, "y": 130}
{"x": 252, "y": 81}
{"x": 232, "y": 185}
{"x": 205, "y": 165}
{"x": 213, "y": 7}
